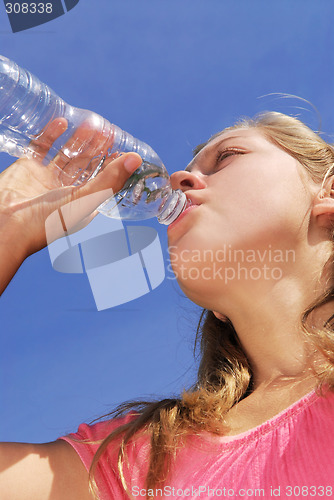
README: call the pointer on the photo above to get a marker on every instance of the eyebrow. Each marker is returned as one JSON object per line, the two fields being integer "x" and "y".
{"x": 194, "y": 161}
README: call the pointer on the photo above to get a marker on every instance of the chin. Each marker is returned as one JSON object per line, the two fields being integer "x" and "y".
{"x": 198, "y": 284}
{"x": 199, "y": 297}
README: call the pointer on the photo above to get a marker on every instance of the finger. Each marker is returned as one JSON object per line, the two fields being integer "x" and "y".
{"x": 113, "y": 176}
{"x": 43, "y": 142}
{"x": 85, "y": 143}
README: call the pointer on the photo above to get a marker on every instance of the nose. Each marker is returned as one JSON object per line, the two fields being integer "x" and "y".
{"x": 185, "y": 180}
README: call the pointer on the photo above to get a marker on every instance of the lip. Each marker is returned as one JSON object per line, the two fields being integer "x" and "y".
{"x": 192, "y": 200}
{"x": 191, "y": 204}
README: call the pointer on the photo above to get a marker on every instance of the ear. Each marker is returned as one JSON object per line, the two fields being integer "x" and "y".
{"x": 220, "y": 316}
{"x": 323, "y": 206}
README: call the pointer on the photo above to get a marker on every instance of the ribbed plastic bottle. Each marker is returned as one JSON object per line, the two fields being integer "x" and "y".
{"x": 27, "y": 106}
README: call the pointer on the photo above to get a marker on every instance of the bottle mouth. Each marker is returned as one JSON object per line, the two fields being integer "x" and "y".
{"x": 174, "y": 208}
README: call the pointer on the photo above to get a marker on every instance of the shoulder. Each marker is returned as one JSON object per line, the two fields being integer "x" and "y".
{"x": 86, "y": 443}
{"x": 98, "y": 431}
{"x": 88, "y": 438}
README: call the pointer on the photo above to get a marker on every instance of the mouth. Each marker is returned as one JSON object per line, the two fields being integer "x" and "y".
{"x": 191, "y": 202}
{"x": 190, "y": 205}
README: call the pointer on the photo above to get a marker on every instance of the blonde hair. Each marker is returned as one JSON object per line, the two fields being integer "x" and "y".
{"x": 224, "y": 374}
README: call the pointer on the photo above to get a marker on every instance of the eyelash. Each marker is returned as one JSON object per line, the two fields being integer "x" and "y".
{"x": 222, "y": 155}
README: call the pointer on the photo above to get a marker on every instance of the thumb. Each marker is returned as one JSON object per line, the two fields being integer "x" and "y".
{"x": 83, "y": 200}
{"x": 113, "y": 176}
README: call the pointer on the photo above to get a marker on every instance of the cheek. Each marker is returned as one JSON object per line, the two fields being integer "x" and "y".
{"x": 262, "y": 204}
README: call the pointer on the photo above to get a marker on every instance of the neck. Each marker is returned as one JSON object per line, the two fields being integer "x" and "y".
{"x": 271, "y": 335}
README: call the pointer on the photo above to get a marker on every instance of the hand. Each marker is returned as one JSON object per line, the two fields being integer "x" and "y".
{"x": 30, "y": 192}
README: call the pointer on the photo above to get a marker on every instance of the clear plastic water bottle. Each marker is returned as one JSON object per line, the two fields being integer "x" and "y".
{"x": 27, "y": 106}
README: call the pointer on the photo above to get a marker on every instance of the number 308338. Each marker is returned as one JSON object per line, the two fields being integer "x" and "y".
{"x": 28, "y": 8}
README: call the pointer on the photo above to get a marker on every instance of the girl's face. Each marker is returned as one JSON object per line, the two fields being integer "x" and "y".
{"x": 249, "y": 219}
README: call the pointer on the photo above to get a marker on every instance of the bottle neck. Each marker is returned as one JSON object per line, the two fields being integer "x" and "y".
{"x": 173, "y": 208}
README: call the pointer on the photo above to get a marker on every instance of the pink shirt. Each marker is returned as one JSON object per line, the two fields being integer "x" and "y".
{"x": 289, "y": 456}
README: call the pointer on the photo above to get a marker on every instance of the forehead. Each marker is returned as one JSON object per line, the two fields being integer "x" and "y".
{"x": 247, "y": 134}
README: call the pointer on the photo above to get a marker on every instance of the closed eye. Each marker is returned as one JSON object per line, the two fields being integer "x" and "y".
{"x": 222, "y": 155}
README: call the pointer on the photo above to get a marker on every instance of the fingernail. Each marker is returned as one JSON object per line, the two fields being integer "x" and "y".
{"x": 131, "y": 163}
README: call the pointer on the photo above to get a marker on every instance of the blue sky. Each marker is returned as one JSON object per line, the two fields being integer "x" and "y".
{"x": 171, "y": 73}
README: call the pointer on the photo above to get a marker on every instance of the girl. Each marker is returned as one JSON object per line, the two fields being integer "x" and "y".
{"x": 255, "y": 249}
